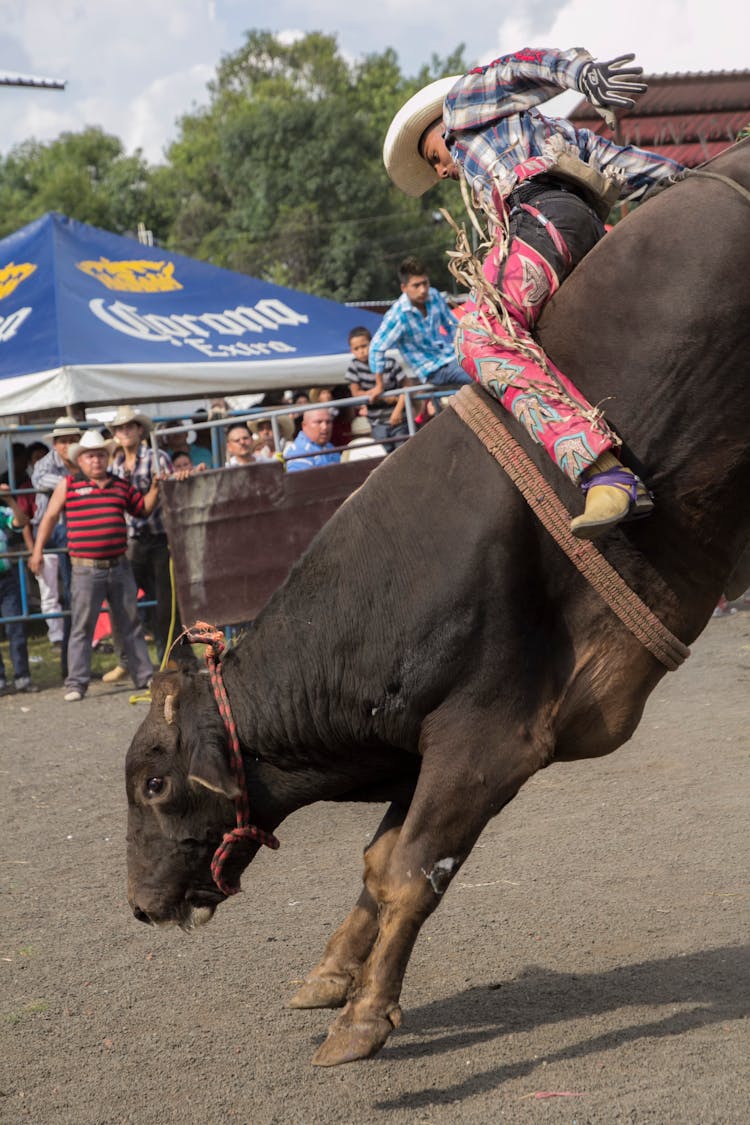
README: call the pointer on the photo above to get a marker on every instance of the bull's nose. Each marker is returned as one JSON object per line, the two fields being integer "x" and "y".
{"x": 141, "y": 915}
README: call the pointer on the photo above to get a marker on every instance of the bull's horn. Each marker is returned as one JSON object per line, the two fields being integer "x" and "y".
{"x": 169, "y": 714}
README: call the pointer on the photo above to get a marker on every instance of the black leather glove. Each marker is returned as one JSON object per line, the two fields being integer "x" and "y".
{"x": 612, "y": 83}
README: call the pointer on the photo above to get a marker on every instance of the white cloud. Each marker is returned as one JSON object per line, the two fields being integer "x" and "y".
{"x": 666, "y": 35}
{"x": 133, "y": 68}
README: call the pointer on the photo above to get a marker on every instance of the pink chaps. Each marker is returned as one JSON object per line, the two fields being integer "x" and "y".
{"x": 546, "y": 403}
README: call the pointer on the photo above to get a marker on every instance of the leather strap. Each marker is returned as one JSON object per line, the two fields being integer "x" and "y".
{"x": 546, "y": 505}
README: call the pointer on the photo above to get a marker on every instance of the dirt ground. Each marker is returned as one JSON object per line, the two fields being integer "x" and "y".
{"x": 594, "y": 947}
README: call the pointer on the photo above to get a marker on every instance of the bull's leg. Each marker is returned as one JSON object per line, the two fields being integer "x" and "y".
{"x": 329, "y": 983}
{"x": 457, "y": 793}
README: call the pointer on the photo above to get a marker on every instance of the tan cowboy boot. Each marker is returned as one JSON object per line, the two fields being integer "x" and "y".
{"x": 618, "y": 495}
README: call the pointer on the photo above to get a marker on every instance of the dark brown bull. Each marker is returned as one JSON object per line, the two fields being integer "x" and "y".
{"x": 434, "y": 648}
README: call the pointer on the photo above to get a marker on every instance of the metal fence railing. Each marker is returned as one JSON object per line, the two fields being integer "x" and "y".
{"x": 215, "y": 427}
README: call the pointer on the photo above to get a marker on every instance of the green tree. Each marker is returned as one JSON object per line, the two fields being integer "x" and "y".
{"x": 281, "y": 175}
{"x": 86, "y": 176}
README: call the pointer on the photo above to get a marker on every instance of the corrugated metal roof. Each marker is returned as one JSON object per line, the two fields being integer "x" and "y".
{"x": 674, "y": 129}
{"x": 688, "y": 117}
{"x": 723, "y": 90}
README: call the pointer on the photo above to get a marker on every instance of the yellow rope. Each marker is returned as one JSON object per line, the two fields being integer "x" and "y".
{"x": 145, "y": 697}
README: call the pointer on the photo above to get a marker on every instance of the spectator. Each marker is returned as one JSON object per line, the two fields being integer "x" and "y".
{"x": 421, "y": 325}
{"x": 36, "y": 450}
{"x": 96, "y": 503}
{"x": 181, "y": 462}
{"x": 362, "y": 447}
{"x": 239, "y": 445}
{"x": 219, "y": 408}
{"x": 340, "y": 431}
{"x": 312, "y": 448}
{"x": 264, "y": 448}
{"x": 21, "y": 479}
{"x": 12, "y": 517}
{"x": 148, "y": 549}
{"x": 386, "y": 416}
{"x": 299, "y": 398}
{"x": 54, "y": 574}
{"x": 174, "y": 441}
{"x": 201, "y": 438}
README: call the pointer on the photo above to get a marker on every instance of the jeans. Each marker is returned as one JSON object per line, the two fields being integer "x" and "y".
{"x": 90, "y": 587}
{"x": 59, "y": 538}
{"x": 50, "y": 596}
{"x": 149, "y": 558}
{"x": 10, "y": 606}
{"x": 452, "y": 372}
{"x": 381, "y": 431}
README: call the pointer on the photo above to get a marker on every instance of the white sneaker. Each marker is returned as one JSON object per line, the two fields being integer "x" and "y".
{"x": 73, "y": 696}
{"x": 114, "y": 675}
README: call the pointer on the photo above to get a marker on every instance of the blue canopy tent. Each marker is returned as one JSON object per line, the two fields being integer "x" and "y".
{"x": 87, "y": 316}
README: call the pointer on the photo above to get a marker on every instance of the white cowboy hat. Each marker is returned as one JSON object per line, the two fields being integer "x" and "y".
{"x": 286, "y": 425}
{"x": 92, "y": 439}
{"x": 64, "y": 427}
{"x": 126, "y": 414}
{"x": 403, "y": 163}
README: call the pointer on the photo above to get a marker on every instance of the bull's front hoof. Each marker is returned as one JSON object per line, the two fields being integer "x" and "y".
{"x": 350, "y": 1038}
{"x": 322, "y": 992}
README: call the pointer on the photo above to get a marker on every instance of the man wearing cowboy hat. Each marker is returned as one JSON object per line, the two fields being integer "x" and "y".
{"x": 54, "y": 575}
{"x": 545, "y": 188}
{"x": 148, "y": 550}
{"x": 264, "y": 446}
{"x": 96, "y": 503}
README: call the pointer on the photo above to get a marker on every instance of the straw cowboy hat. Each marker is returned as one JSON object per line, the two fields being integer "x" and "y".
{"x": 286, "y": 426}
{"x": 408, "y": 170}
{"x": 64, "y": 427}
{"x": 126, "y": 414}
{"x": 360, "y": 426}
{"x": 92, "y": 439}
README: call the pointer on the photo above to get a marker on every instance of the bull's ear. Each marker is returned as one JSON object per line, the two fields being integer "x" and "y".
{"x": 209, "y": 767}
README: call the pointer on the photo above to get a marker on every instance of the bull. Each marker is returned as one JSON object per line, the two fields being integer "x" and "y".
{"x": 434, "y": 648}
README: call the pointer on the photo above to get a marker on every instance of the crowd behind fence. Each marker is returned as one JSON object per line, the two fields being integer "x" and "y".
{"x": 215, "y": 427}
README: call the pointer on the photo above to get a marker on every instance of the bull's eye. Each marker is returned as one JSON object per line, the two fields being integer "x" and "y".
{"x": 155, "y": 785}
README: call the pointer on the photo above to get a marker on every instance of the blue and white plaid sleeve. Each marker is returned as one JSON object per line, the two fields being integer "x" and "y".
{"x": 387, "y": 336}
{"x": 511, "y": 84}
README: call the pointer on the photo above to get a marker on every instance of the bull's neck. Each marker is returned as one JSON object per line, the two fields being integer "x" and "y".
{"x": 286, "y": 740}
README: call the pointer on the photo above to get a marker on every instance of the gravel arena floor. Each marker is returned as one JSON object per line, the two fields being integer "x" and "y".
{"x": 589, "y": 964}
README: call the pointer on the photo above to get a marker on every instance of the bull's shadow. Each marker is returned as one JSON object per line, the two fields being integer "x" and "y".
{"x": 715, "y": 983}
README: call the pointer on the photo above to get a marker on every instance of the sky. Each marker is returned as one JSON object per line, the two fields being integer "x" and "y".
{"x": 134, "y": 67}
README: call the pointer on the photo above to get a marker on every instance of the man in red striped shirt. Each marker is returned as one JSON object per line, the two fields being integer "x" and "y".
{"x": 95, "y": 503}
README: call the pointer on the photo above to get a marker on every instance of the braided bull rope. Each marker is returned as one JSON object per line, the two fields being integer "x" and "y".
{"x": 550, "y": 511}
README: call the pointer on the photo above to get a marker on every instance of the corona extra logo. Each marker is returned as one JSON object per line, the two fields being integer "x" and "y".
{"x": 133, "y": 277}
{"x": 12, "y": 275}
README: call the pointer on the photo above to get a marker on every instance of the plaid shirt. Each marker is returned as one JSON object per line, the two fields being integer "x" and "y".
{"x": 418, "y": 338}
{"x": 46, "y": 475}
{"x": 498, "y": 139}
{"x": 146, "y": 468}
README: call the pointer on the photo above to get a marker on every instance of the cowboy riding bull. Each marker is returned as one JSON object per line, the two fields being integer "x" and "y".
{"x": 465, "y": 650}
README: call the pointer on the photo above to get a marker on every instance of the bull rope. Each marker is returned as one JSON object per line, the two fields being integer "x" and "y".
{"x": 552, "y": 514}
{"x": 203, "y": 634}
